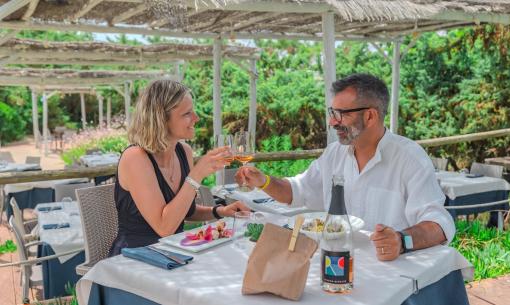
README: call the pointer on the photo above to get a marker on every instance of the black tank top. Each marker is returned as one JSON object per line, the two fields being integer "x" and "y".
{"x": 133, "y": 230}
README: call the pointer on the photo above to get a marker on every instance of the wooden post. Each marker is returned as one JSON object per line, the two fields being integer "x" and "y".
{"x": 83, "y": 113}
{"x": 109, "y": 113}
{"x": 395, "y": 87}
{"x": 328, "y": 40}
{"x": 35, "y": 119}
{"x": 45, "y": 122}
{"x": 127, "y": 103}
{"x": 217, "y": 95}
{"x": 252, "y": 117}
{"x": 100, "y": 102}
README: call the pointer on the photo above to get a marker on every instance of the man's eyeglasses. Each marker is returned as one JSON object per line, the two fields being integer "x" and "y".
{"x": 337, "y": 114}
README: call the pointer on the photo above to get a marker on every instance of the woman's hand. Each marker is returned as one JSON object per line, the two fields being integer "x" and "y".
{"x": 211, "y": 162}
{"x": 229, "y": 210}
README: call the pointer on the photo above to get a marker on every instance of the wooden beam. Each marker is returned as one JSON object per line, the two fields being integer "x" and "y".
{"x": 8, "y": 36}
{"x": 10, "y": 7}
{"x": 30, "y": 10}
{"x": 86, "y": 8}
{"x": 258, "y": 19}
{"x": 55, "y": 26}
{"x": 129, "y": 13}
{"x": 274, "y": 6}
{"x": 477, "y": 17}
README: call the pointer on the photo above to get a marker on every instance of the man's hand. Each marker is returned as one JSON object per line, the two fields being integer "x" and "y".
{"x": 251, "y": 176}
{"x": 387, "y": 243}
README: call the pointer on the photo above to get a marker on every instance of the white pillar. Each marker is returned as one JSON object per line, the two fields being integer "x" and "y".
{"x": 83, "y": 113}
{"x": 35, "y": 119}
{"x": 252, "y": 117}
{"x": 45, "y": 122}
{"x": 217, "y": 95}
{"x": 109, "y": 113}
{"x": 100, "y": 106}
{"x": 328, "y": 40}
{"x": 395, "y": 87}
{"x": 127, "y": 103}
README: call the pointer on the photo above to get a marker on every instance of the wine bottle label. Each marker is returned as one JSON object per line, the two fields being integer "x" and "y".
{"x": 335, "y": 267}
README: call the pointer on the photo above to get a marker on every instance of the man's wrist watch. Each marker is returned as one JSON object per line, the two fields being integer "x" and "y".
{"x": 215, "y": 212}
{"x": 407, "y": 241}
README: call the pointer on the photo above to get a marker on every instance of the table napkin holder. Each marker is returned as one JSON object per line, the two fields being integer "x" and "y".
{"x": 273, "y": 268}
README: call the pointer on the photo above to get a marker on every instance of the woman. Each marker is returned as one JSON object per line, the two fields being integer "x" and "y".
{"x": 156, "y": 179}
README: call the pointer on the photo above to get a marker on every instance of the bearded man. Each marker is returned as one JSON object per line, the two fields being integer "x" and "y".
{"x": 389, "y": 179}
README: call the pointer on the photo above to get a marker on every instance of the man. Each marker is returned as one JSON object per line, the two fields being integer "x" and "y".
{"x": 389, "y": 179}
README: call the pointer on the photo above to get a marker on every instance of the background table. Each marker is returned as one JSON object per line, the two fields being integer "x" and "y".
{"x": 461, "y": 190}
{"x": 30, "y": 194}
{"x": 215, "y": 277}
{"x": 60, "y": 271}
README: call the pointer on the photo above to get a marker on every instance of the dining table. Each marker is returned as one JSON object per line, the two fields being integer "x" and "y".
{"x": 60, "y": 231}
{"x": 215, "y": 276}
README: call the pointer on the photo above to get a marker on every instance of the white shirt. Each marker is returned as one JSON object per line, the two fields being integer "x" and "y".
{"x": 397, "y": 187}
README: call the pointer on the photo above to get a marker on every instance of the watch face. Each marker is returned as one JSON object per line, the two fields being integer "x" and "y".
{"x": 408, "y": 242}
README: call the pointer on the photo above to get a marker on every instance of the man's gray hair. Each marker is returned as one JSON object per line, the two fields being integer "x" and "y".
{"x": 370, "y": 91}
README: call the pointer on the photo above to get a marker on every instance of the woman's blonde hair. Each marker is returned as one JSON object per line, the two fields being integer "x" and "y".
{"x": 149, "y": 127}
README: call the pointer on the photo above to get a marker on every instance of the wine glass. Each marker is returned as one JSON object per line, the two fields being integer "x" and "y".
{"x": 223, "y": 140}
{"x": 244, "y": 145}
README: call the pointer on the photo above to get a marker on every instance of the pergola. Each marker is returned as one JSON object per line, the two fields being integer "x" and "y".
{"x": 50, "y": 81}
{"x": 26, "y": 51}
{"x": 319, "y": 20}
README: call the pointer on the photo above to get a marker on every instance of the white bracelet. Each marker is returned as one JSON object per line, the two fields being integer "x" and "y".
{"x": 195, "y": 185}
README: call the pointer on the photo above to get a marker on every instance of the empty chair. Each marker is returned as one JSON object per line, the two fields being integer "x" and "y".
{"x": 99, "y": 222}
{"x": 489, "y": 170}
{"x": 230, "y": 175}
{"x": 33, "y": 160}
{"x": 205, "y": 197}
{"x": 440, "y": 163}
{"x": 68, "y": 190}
{"x": 17, "y": 217}
{"x": 6, "y": 156}
{"x": 30, "y": 269}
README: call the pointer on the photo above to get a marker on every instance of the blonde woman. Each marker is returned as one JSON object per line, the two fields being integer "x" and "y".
{"x": 156, "y": 179}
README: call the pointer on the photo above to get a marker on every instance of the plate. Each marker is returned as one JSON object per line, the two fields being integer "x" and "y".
{"x": 356, "y": 223}
{"x": 180, "y": 241}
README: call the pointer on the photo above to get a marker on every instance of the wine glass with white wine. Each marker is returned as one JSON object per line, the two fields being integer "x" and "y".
{"x": 223, "y": 140}
{"x": 244, "y": 151}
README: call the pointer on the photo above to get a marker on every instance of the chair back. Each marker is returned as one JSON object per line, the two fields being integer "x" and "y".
{"x": 440, "y": 163}
{"x": 489, "y": 170}
{"x": 20, "y": 241}
{"x": 205, "y": 197}
{"x": 69, "y": 190}
{"x": 230, "y": 174}
{"x": 99, "y": 221}
{"x": 6, "y": 156}
{"x": 17, "y": 217}
{"x": 33, "y": 160}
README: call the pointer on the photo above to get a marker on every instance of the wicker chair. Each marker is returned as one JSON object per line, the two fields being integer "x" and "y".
{"x": 99, "y": 222}
{"x": 69, "y": 190}
{"x": 440, "y": 163}
{"x": 488, "y": 170}
{"x": 31, "y": 270}
{"x": 21, "y": 225}
{"x": 33, "y": 160}
{"x": 6, "y": 156}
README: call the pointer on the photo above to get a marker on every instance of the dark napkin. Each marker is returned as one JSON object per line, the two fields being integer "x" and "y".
{"x": 154, "y": 258}
{"x": 50, "y": 226}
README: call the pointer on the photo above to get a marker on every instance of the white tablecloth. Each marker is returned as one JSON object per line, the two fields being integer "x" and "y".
{"x": 215, "y": 277}
{"x": 63, "y": 239}
{"x": 19, "y": 167}
{"x": 456, "y": 184}
{"x": 269, "y": 206}
{"x": 100, "y": 160}
{"x": 20, "y": 187}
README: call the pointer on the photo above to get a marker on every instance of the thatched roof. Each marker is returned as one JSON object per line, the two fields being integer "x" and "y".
{"x": 360, "y": 18}
{"x": 28, "y": 51}
{"x": 63, "y": 77}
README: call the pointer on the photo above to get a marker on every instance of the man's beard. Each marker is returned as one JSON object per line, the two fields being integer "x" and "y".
{"x": 350, "y": 133}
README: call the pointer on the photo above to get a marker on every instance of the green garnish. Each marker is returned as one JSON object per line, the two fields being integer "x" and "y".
{"x": 253, "y": 231}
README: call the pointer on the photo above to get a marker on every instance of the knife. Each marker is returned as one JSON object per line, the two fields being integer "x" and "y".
{"x": 167, "y": 254}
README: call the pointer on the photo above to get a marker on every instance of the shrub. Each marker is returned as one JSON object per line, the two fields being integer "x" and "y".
{"x": 12, "y": 126}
